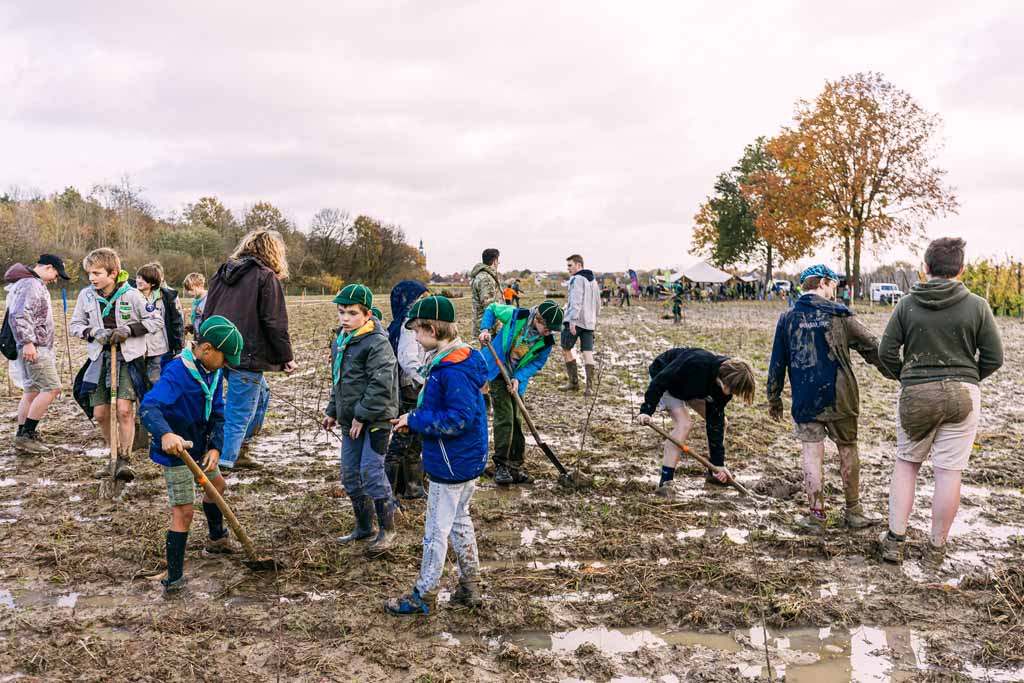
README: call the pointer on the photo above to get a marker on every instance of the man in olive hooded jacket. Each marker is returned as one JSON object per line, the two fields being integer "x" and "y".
{"x": 950, "y": 343}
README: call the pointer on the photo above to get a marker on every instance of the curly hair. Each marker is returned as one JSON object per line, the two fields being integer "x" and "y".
{"x": 269, "y": 247}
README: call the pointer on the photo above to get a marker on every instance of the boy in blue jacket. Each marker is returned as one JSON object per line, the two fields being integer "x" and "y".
{"x": 452, "y": 419}
{"x": 812, "y": 342}
{"x": 186, "y": 404}
{"x": 523, "y": 344}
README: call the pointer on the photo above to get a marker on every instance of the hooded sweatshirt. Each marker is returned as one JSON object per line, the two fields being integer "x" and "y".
{"x": 813, "y": 342}
{"x": 945, "y": 331}
{"x": 452, "y": 418}
{"x": 31, "y": 315}
{"x": 485, "y": 288}
{"x": 247, "y": 292}
{"x": 584, "y": 300}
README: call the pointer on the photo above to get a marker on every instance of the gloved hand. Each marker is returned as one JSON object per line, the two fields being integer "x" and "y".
{"x": 120, "y": 335}
{"x": 102, "y": 336}
{"x": 776, "y": 410}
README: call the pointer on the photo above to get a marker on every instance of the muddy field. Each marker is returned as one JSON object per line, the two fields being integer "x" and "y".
{"x": 610, "y": 583}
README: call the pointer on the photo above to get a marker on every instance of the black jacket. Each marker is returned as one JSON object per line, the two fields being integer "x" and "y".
{"x": 174, "y": 322}
{"x": 692, "y": 374}
{"x": 247, "y": 292}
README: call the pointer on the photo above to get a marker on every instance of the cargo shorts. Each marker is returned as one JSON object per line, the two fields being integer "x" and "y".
{"x": 181, "y": 484}
{"x": 568, "y": 339}
{"x": 842, "y": 431}
{"x": 40, "y": 376}
{"x": 100, "y": 396}
{"x": 938, "y": 419}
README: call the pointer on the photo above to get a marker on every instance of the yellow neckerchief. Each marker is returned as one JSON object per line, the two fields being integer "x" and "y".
{"x": 343, "y": 341}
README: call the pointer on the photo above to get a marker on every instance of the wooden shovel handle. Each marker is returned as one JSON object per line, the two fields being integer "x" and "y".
{"x": 701, "y": 459}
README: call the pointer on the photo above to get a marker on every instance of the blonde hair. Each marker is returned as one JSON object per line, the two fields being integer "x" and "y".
{"x": 442, "y": 330}
{"x": 269, "y": 247}
{"x": 103, "y": 258}
{"x": 738, "y": 375}
{"x": 153, "y": 273}
{"x": 194, "y": 281}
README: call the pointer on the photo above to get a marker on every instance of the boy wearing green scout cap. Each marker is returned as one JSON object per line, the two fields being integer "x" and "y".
{"x": 364, "y": 399}
{"x": 187, "y": 405}
{"x": 523, "y": 344}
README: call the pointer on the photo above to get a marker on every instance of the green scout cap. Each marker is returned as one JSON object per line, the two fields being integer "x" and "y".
{"x": 355, "y": 294}
{"x": 432, "y": 308}
{"x": 222, "y": 334}
{"x": 551, "y": 314}
{"x": 377, "y": 313}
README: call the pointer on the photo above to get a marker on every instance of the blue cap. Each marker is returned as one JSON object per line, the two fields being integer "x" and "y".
{"x": 819, "y": 270}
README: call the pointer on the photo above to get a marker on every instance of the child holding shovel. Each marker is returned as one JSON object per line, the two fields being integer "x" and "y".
{"x": 451, "y": 417}
{"x": 187, "y": 405}
{"x": 523, "y": 345}
{"x": 686, "y": 378}
{"x": 364, "y": 399}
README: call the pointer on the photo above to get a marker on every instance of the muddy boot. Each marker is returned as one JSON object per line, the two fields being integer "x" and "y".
{"x": 572, "y": 370}
{"x": 469, "y": 593}
{"x": 221, "y": 546}
{"x": 104, "y": 472}
{"x": 386, "y": 528}
{"x": 412, "y": 604}
{"x": 891, "y": 549}
{"x": 173, "y": 588}
{"x": 362, "y": 509}
{"x": 123, "y": 468}
{"x": 666, "y": 490}
{"x": 591, "y": 372}
{"x": 710, "y": 478}
{"x": 502, "y": 475}
{"x": 414, "y": 478}
{"x": 519, "y": 476}
{"x": 934, "y": 555}
{"x": 859, "y": 518}
{"x": 810, "y": 524}
{"x": 29, "y": 444}
{"x": 245, "y": 460}
{"x": 393, "y": 470}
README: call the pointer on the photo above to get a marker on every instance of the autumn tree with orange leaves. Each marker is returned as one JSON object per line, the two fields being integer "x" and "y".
{"x": 859, "y": 165}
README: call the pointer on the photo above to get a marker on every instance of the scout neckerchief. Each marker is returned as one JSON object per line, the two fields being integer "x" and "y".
{"x": 527, "y": 335}
{"x": 151, "y": 305}
{"x": 425, "y": 370}
{"x": 196, "y": 303}
{"x": 109, "y": 303}
{"x": 343, "y": 340}
{"x": 189, "y": 361}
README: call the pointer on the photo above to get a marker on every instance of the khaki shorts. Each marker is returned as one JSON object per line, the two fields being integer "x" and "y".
{"x": 181, "y": 484}
{"x": 100, "y": 396}
{"x": 40, "y": 376}
{"x": 842, "y": 432}
{"x": 668, "y": 403}
{"x": 938, "y": 419}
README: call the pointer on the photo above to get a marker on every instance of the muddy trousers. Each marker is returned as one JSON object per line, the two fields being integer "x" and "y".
{"x": 404, "y": 452}
{"x": 448, "y": 518}
{"x": 362, "y": 464}
{"x": 509, "y": 442}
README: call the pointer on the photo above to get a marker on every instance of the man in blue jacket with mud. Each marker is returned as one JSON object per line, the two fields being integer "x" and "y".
{"x": 813, "y": 341}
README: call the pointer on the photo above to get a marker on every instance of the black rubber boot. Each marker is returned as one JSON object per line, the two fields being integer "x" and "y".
{"x": 386, "y": 527}
{"x": 123, "y": 469}
{"x": 502, "y": 475}
{"x": 413, "y": 466}
{"x": 572, "y": 370}
{"x": 362, "y": 509}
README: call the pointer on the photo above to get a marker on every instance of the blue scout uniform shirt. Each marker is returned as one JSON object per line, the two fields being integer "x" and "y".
{"x": 177, "y": 404}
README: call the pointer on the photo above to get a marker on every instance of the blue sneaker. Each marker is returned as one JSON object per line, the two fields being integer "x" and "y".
{"x": 414, "y": 603}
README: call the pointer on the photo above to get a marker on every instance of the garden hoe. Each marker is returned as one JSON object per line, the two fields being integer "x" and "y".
{"x": 703, "y": 461}
{"x": 565, "y": 479}
{"x": 256, "y": 563}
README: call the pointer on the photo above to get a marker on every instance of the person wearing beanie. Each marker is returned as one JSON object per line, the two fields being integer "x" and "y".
{"x": 523, "y": 344}
{"x": 451, "y": 418}
{"x": 364, "y": 399}
{"x": 812, "y": 342}
{"x": 187, "y": 405}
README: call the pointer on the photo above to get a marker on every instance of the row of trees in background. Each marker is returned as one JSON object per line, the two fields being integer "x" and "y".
{"x": 333, "y": 249}
{"x": 856, "y": 170}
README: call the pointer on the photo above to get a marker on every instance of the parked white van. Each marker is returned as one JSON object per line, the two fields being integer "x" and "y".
{"x": 885, "y": 293}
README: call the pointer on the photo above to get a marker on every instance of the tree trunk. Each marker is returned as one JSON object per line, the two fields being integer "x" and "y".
{"x": 846, "y": 261}
{"x": 858, "y": 242}
{"x": 768, "y": 266}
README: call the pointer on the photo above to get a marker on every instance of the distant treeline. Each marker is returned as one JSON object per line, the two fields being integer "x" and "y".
{"x": 332, "y": 250}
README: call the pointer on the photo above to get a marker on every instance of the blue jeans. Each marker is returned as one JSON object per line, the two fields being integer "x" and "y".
{"x": 448, "y": 517}
{"x": 245, "y": 406}
{"x": 362, "y": 464}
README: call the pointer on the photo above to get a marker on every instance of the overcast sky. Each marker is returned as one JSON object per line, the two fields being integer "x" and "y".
{"x": 540, "y": 128}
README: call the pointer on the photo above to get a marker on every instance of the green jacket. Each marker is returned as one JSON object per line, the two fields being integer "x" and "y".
{"x": 945, "y": 332}
{"x": 367, "y": 389}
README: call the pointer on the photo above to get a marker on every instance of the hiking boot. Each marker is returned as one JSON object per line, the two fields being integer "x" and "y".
{"x": 245, "y": 461}
{"x": 502, "y": 475}
{"x": 469, "y": 593}
{"x": 103, "y": 472}
{"x": 362, "y": 509}
{"x": 411, "y": 604}
{"x": 591, "y": 373}
{"x": 386, "y": 535}
{"x": 934, "y": 555}
{"x": 859, "y": 518}
{"x": 173, "y": 588}
{"x": 519, "y": 476}
{"x": 221, "y": 546}
{"x": 810, "y": 524}
{"x": 665, "y": 490}
{"x": 122, "y": 468}
{"x": 890, "y": 549}
{"x": 29, "y": 444}
{"x": 573, "y": 384}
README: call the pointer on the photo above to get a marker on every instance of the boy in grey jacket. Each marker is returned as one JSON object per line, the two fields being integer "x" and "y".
{"x": 950, "y": 343}
{"x": 111, "y": 312}
{"x": 35, "y": 369}
{"x": 364, "y": 399}
{"x": 584, "y": 303}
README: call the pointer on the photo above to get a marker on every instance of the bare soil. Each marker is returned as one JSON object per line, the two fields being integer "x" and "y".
{"x": 606, "y": 583}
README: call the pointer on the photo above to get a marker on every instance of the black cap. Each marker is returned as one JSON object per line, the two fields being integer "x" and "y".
{"x": 51, "y": 260}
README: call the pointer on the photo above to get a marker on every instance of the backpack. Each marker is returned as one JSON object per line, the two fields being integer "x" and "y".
{"x": 8, "y": 347}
